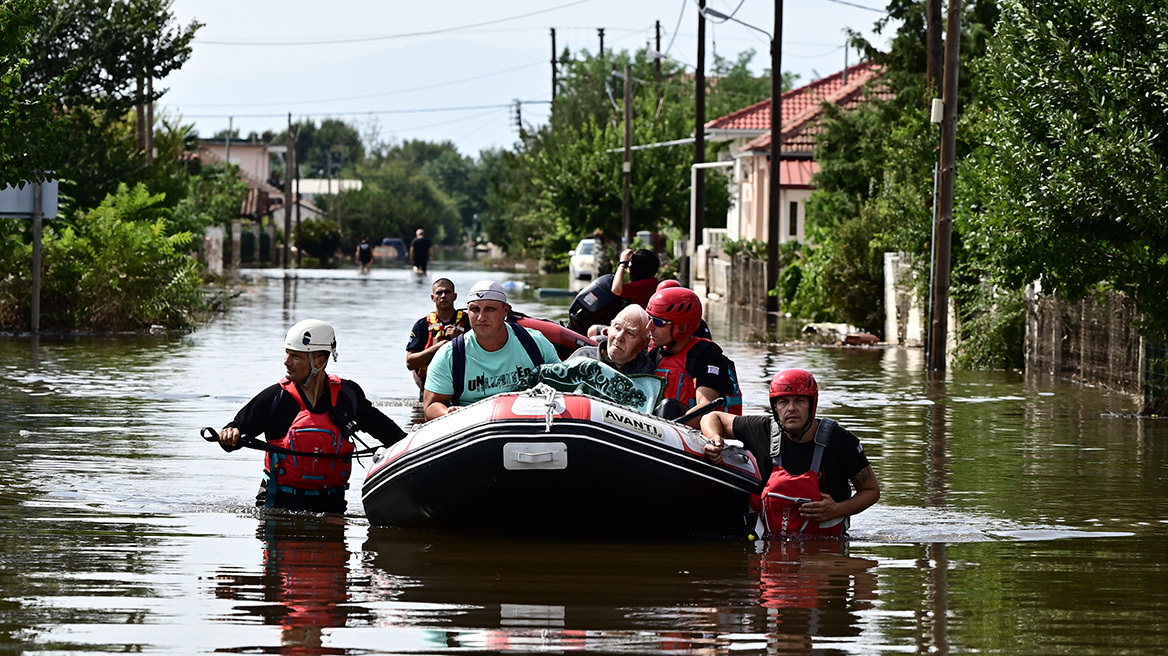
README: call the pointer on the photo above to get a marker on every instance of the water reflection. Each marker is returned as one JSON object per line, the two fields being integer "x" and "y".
{"x": 500, "y": 595}
{"x": 303, "y": 586}
{"x": 812, "y": 591}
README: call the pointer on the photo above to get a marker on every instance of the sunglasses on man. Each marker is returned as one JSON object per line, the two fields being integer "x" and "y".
{"x": 658, "y": 322}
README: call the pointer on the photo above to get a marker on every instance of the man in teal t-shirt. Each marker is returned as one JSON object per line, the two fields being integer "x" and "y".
{"x": 496, "y": 360}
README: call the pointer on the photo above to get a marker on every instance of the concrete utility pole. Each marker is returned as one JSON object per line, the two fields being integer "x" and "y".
{"x": 289, "y": 149}
{"x": 627, "y": 165}
{"x": 296, "y": 159}
{"x": 939, "y": 308}
{"x": 774, "y": 208}
{"x": 699, "y": 222}
{"x": 554, "y": 65}
{"x": 600, "y": 31}
{"x": 230, "y": 129}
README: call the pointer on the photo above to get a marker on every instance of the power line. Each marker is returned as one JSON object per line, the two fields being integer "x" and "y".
{"x": 370, "y": 95}
{"x": 852, "y": 4}
{"x": 361, "y": 113}
{"x": 387, "y": 37}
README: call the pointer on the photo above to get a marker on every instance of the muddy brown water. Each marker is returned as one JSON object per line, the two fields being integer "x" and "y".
{"x": 1018, "y": 516}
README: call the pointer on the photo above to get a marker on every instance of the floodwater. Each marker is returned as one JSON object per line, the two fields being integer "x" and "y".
{"x": 1018, "y": 516}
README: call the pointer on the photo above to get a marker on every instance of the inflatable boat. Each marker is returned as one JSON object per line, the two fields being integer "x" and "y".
{"x": 547, "y": 462}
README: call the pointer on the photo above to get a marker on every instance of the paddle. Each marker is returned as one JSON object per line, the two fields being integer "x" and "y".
{"x": 212, "y": 435}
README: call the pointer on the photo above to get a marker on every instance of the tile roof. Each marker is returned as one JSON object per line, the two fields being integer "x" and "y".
{"x": 800, "y": 106}
{"x": 797, "y": 172}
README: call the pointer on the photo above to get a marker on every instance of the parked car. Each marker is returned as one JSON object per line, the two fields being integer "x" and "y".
{"x": 582, "y": 260}
{"x": 394, "y": 248}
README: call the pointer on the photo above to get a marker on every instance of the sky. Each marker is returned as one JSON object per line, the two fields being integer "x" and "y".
{"x": 450, "y": 70}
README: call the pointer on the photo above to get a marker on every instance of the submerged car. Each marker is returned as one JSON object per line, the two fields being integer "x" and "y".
{"x": 582, "y": 260}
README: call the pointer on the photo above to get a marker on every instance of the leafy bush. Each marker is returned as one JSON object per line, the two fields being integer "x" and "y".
{"x": 319, "y": 238}
{"x": 114, "y": 269}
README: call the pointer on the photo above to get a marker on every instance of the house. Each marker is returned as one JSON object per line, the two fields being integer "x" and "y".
{"x": 749, "y": 132}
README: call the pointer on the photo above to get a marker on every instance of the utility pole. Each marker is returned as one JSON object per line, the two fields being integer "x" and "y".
{"x": 657, "y": 59}
{"x": 38, "y": 212}
{"x": 149, "y": 120}
{"x": 554, "y": 65}
{"x": 296, "y": 159}
{"x": 774, "y": 207}
{"x": 600, "y": 31}
{"x": 627, "y": 165}
{"x": 230, "y": 129}
{"x": 933, "y": 37}
{"x": 939, "y": 330}
{"x": 288, "y": 189}
{"x": 699, "y": 220}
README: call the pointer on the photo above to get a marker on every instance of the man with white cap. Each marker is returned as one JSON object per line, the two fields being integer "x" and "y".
{"x": 495, "y": 357}
{"x": 308, "y": 411}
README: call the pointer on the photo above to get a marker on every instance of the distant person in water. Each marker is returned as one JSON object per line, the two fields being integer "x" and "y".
{"x": 365, "y": 254}
{"x": 308, "y": 411}
{"x": 420, "y": 251}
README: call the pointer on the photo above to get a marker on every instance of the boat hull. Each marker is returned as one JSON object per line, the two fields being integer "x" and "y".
{"x": 594, "y": 470}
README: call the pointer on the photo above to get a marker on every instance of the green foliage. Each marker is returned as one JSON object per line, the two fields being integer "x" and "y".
{"x": 31, "y": 134}
{"x": 213, "y": 195}
{"x": 1078, "y": 139}
{"x": 993, "y": 328}
{"x": 115, "y": 269}
{"x": 89, "y": 60}
{"x": 565, "y": 181}
{"x": 875, "y": 187}
{"x": 319, "y": 238}
{"x": 395, "y": 200}
{"x": 752, "y": 248}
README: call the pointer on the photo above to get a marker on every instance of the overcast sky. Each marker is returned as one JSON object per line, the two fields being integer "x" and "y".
{"x": 451, "y": 69}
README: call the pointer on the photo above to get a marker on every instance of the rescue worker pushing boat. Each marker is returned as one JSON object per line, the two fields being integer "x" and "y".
{"x": 308, "y": 411}
{"x": 808, "y": 462}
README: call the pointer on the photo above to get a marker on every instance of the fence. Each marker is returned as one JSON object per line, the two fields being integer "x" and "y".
{"x": 1094, "y": 341}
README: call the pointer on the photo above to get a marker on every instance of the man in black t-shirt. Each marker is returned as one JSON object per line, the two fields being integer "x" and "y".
{"x": 787, "y": 440}
{"x": 322, "y": 411}
{"x": 420, "y": 251}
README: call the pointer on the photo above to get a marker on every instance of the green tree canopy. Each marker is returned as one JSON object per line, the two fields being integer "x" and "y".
{"x": 1078, "y": 148}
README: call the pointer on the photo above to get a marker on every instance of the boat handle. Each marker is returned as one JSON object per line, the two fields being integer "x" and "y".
{"x": 542, "y": 456}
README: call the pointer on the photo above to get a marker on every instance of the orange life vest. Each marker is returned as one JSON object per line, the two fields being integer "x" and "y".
{"x": 435, "y": 327}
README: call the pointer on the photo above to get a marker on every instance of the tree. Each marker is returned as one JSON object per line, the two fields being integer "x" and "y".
{"x": 564, "y": 179}
{"x": 88, "y": 58}
{"x": 1078, "y": 136}
{"x": 31, "y": 132}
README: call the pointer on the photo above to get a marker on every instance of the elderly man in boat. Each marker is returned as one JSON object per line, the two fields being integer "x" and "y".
{"x": 624, "y": 346}
{"x": 495, "y": 357}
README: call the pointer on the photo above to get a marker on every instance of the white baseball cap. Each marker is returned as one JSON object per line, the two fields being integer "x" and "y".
{"x": 487, "y": 290}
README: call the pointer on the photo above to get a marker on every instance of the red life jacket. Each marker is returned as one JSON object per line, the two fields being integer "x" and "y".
{"x": 313, "y": 433}
{"x": 435, "y": 327}
{"x": 679, "y": 384}
{"x": 778, "y": 505}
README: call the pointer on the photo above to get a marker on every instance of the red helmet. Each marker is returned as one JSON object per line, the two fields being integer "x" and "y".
{"x": 666, "y": 284}
{"x": 795, "y": 382}
{"x": 679, "y": 305}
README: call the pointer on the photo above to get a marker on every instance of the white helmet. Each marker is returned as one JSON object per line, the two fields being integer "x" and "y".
{"x": 312, "y": 335}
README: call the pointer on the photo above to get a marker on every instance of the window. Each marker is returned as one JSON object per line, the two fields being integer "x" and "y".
{"x": 793, "y": 219}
